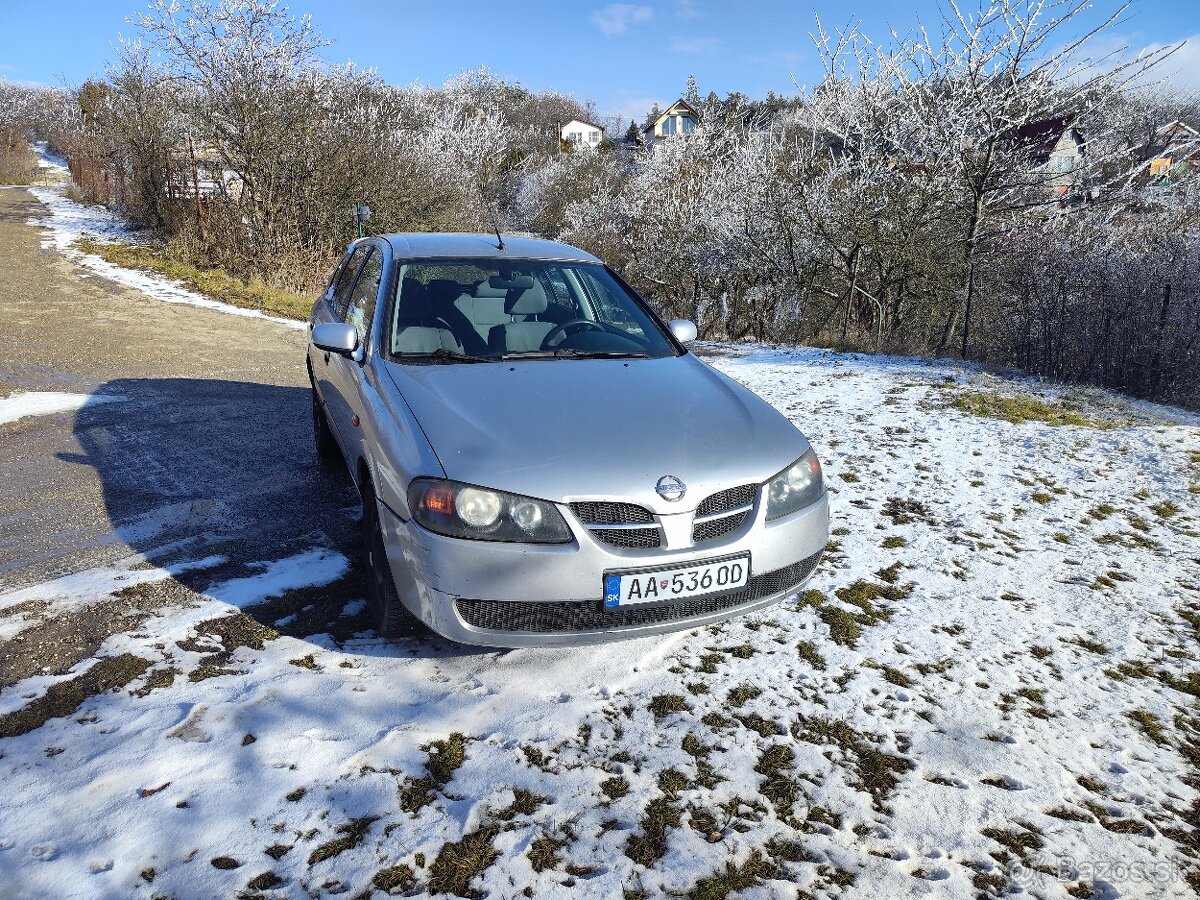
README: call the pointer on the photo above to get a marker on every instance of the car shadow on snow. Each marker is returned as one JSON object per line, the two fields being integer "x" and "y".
{"x": 196, "y": 468}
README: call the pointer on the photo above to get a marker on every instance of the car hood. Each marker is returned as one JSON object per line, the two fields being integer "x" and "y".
{"x": 574, "y": 429}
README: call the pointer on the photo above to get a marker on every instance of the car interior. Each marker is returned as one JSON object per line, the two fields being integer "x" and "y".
{"x": 503, "y": 313}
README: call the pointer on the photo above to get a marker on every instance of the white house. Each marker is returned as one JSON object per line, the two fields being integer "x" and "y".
{"x": 679, "y": 118}
{"x": 582, "y": 134}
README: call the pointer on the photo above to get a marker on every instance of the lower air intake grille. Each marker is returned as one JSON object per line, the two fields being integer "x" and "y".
{"x": 590, "y": 615}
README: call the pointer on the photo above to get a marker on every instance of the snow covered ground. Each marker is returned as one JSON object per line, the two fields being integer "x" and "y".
{"x": 990, "y": 687}
{"x": 68, "y": 221}
{"x": 43, "y": 403}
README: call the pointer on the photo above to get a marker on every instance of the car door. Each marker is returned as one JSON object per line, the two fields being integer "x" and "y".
{"x": 348, "y": 376}
{"x": 325, "y": 365}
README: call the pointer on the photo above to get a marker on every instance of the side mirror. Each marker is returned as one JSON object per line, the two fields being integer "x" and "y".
{"x": 684, "y": 330}
{"x": 335, "y": 337}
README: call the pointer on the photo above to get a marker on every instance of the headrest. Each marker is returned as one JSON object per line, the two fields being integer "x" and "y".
{"x": 486, "y": 290}
{"x": 513, "y": 281}
{"x": 443, "y": 290}
{"x": 530, "y": 302}
{"x": 414, "y": 304}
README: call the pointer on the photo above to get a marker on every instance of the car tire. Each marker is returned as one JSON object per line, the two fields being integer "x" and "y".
{"x": 391, "y": 617}
{"x": 324, "y": 442}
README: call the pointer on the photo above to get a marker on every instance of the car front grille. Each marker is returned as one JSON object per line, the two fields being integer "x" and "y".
{"x": 603, "y": 513}
{"x": 625, "y": 525}
{"x": 724, "y": 501}
{"x": 591, "y": 615}
{"x": 715, "y": 528}
{"x": 722, "y": 512}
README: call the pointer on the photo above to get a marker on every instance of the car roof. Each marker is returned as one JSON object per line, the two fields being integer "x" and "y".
{"x": 421, "y": 245}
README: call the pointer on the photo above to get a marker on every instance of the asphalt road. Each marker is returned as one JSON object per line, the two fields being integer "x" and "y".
{"x": 209, "y": 452}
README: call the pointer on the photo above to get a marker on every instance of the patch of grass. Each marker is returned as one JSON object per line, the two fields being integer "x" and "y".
{"x": 843, "y": 626}
{"x": 760, "y": 724}
{"x": 394, "y": 878}
{"x": 1017, "y": 842}
{"x": 458, "y": 863}
{"x": 211, "y": 282}
{"x": 63, "y": 698}
{"x": 696, "y": 688}
{"x": 742, "y": 693}
{"x": 1040, "y": 652}
{"x": 741, "y": 651}
{"x": 777, "y": 786}
{"x": 224, "y": 862}
{"x": 807, "y": 651}
{"x": 352, "y": 834}
{"x": 1069, "y": 814}
{"x": 649, "y": 846}
{"x": 903, "y": 511}
{"x": 525, "y": 803}
{"x": 614, "y": 788}
{"x": 877, "y": 771}
{"x": 1091, "y": 645}
{"x": 264, "y": 881}
{"x": 543, "y": 852}
{"x": 735, "y": 878}
{"x": 811, "y": 597}
{"x": 893, "y": 542}
{"x": 1165, "y": 509}
{"x": 1147, "y": 723}
{"x": 671, "y": 782}
{"x": 1022, "y": 408}
{"x": 305, "y": 662}
{"x": 708, "y": 663}
{"x": 1040, "y": 497}
{"x": 666, "y": 704}
{"x": 445, "y": 756}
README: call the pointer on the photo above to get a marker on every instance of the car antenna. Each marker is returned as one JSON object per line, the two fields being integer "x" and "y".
{"x": 495, "y": 218}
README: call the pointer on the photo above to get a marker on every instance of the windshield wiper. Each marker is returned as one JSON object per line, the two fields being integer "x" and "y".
{"x": 442, "y": 354}
{"x": 574, "y": 353}
{"x": 600, "y": 354}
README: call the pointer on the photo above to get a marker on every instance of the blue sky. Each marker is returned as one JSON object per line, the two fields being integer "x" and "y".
{"x": 626, "y": 56}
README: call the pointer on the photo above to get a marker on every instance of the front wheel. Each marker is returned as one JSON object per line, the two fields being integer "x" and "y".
{"x": 392, "y": 618}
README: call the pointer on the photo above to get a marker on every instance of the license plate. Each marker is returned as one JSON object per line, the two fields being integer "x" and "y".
{"x": 696, "y": 580}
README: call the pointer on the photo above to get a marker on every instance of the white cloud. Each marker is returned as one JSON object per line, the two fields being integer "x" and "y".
{"x": 1181, "y": 69}
{"x": 695, "y": 45}
{"x": 686, "y": 9}
{"x": 616, "y": 18}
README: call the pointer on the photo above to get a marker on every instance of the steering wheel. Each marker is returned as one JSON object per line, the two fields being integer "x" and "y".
{"x": 588, "y": 323}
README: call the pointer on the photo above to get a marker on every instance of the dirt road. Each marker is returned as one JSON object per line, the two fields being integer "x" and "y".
{"x": 208, "y": 453}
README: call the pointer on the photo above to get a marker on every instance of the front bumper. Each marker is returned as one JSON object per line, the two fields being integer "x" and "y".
{"x": 521, "y": 595}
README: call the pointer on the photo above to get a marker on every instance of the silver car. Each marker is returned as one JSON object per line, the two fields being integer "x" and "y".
{"x": 540, "y": 458}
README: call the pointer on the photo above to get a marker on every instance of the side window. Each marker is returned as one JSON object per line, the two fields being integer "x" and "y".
{"x": 341, "y": 294}
{"x": 361, "y": 308}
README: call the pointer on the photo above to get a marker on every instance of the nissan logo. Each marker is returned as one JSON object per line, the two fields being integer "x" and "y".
{"x": 670, "y": 488}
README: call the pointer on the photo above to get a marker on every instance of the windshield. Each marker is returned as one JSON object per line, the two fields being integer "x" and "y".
{"x": 449, "y": 310}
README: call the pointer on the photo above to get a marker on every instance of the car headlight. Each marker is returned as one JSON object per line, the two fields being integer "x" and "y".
{"x": 481, "y": 514}
{"x": 797, "y": 486}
